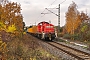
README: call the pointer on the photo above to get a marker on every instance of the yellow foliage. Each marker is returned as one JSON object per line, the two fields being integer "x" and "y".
{"x": 33, "y": 58}
{"x": 2, "y": 26}
{"x": 0, "y": 42}
{"x": 2, "y": 46}
{"x": 47, "y": 55}
{"x": 24, "y": 32}
{"x": 72, "y": 19}
{"x": 11, "y": 28}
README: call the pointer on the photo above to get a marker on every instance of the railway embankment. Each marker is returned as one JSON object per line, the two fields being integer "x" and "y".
{"x": 25, "y": 48}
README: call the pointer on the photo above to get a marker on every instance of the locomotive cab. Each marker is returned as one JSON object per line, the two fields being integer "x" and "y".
{"x": 46, "y": 30}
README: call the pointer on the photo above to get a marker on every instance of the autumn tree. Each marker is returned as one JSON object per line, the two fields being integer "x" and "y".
{"x": 72, "y": 18}
{"x": 11, "y": 15}
{"x": 11, "y": 24}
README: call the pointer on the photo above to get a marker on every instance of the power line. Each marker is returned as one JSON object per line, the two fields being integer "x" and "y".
{"x": 62, "y": 1}
{"x": 52, "y": 12}
{"x": 50, "y": 5}
{"x": 53, "y": 2}
{"x": 45, "y": 9}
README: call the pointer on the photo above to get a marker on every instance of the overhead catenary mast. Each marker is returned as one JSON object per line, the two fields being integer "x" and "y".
{"x": 57, "y": 15}
{"x": 59, "y": 18}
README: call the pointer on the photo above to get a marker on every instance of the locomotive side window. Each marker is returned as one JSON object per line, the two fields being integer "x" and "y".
{"x": 49, "y": 26}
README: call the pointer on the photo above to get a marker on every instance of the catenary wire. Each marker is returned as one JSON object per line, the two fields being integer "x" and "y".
{"x": 44, "y": 10}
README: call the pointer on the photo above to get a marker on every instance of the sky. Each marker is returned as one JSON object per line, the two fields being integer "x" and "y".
{"x": 32, "y": 9}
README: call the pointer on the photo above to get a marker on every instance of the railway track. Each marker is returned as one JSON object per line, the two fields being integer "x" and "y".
{"x": 79, "y": 55}
{"x": 60, "y": 50}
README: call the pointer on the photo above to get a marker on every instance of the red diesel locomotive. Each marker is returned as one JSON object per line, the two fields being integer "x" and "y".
{"x": 43, "y": 30}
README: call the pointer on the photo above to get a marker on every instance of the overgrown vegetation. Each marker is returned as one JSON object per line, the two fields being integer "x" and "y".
{"x": 27, "y": 49}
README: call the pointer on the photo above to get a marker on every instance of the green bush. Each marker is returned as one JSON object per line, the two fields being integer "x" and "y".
{"x": 88, "y": 35}
{"x": 67, "y": 36}
{"x": 75, "y": 36}
{"x": 60, "y": 35}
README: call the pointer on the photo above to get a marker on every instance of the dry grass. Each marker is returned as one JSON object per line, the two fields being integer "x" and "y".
{"x": 26, "y": 48}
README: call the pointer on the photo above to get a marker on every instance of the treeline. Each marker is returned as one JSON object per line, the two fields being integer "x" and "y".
{"x": 77, "y": 25}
